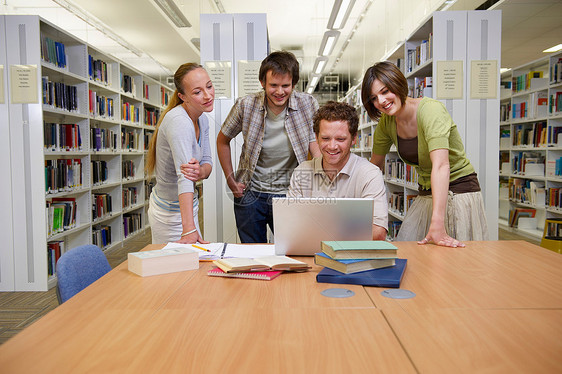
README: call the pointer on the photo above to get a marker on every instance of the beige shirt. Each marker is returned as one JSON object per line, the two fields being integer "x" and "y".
{"x": 358, "y": 179}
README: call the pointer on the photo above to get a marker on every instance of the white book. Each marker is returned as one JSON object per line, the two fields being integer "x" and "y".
{"x": 163, "y": 261}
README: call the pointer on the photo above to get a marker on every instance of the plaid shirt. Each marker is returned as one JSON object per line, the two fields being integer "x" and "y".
{"x": 248, "y": 116}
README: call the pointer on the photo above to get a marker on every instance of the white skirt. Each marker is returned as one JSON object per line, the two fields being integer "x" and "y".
{"x": 165, "y": 225}
{"x": 465, "y": 218}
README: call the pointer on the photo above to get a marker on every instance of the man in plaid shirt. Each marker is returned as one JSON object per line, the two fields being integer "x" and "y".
{"x": 276, "y": 125}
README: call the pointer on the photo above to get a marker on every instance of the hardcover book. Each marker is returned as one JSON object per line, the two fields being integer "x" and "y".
{"x": 238, "y": 264}
{"x": 351, "y": 266}
{"x": 360, "y": 249}
{"x": 386, "y": 277}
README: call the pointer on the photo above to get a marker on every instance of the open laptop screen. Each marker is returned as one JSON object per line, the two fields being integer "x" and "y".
{"x": 301, "y": 224}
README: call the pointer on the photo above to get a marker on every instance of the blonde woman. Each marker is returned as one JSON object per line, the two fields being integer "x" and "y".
{"x": 181, "y": 137}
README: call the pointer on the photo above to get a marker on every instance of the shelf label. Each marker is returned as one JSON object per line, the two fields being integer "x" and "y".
{"x": 220, "y": 73}
{"x": 483, "y": 79}
{"x": 24, "y": 84}
{"x": 449, "y": 80}
{"x": 248, "y": 77}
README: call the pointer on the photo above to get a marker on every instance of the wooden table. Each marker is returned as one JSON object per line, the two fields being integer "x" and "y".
{"x": 490, "y": 307}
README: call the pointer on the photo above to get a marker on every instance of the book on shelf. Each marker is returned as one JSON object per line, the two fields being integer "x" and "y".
{"x": 101, "y": 235}
{"x": 390, "y": 277}
{"x": 54, "y": 252}
{"x": 359, "y": 249}
{"x": 553, "y": 229}
{"x": 53, "y": 52}
{"x": 259, "y": 275}
{"x": 555, "y": 103}
{"x": 162, "y": 261}
{"x": 517, "y": 213}
{"x": 239, "y": 264}
{"x": 556, "y": 71}
{"x": 352, "y": 266}
{"x": 554, "y": 197}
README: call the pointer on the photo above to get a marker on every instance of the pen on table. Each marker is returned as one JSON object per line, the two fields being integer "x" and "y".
{"x": 223, "y": 250}
{"x": 201, "y": 248}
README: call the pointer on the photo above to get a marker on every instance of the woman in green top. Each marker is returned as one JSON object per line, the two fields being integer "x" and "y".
{"x": 449, "y": 208}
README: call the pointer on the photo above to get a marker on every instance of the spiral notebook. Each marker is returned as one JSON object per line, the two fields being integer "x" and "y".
{"x": 259, "y": 275}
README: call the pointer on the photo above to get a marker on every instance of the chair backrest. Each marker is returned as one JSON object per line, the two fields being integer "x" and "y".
{"x": 78, "y": 268}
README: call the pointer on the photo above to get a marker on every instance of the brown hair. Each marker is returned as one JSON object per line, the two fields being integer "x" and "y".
{"x": 175, "y": 100}
{"x": 280, "y": 63}
{"x": 389, "y": 75}
{"x": 336, "y": 111}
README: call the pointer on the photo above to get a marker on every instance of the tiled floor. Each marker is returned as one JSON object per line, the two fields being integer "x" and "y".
{"x": 20, "y": 309}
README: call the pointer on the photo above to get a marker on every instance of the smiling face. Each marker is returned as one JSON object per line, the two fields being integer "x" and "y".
{"x": 198, "y": 92}
{"x": 335, "y": 143}
{"x": 384, "y": 100}
{"x": 278, "y": 88}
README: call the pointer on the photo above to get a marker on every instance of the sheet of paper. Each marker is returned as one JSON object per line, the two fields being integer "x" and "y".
{"x": 24, "y": 84}
{"x": 484, "y": 79}
{"x": 249, "y": 250}
{"x": 449, "y": 80}
{"x": 215, "y": 249}
{"x": 220, "y": 72}
{"x": 232, "y": 250}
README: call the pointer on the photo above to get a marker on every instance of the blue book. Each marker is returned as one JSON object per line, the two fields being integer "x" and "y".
{"x": 384, "y": 277}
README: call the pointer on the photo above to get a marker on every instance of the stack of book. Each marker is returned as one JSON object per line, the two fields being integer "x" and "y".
{"x": 368, "y": 263}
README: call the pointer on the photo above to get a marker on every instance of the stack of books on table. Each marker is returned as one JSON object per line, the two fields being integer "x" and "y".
{"x": 368, "y": 263}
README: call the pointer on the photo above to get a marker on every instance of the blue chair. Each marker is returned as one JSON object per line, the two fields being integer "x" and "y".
{"x": 78, "y": 268}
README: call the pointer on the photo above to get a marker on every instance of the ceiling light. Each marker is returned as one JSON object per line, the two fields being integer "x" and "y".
{"x": 196, "y": 42}
{"x": 340, "y": 13}
{"x": 320, "y": 64}
{"x": 174, "y": 13}
{"x": 328, "y": 42}
{"x": 556, "y": 48}
{"x": 314, "y": 81}
{"x": 504, "y": 70}
{"x": 95, "y": 23}
{"x": 310, "y": 90}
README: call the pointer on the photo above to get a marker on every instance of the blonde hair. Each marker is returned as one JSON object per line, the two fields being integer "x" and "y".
{"x": 182, "y": 71}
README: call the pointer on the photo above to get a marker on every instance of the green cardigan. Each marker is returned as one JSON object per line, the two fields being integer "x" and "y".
{"x": 436, "y": 130}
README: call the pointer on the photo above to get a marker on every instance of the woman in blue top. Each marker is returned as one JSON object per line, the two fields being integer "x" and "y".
{"x": 181, "y": 137}
{"x": 449, "y": 207}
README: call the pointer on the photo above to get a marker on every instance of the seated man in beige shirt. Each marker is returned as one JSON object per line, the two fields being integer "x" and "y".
{"x": 339, "y": 173}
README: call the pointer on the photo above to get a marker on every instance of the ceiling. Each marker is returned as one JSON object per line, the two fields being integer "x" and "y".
{"x": 529, "y": 26}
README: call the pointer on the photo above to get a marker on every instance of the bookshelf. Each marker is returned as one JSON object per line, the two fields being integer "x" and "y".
{"x": 76, "y": 171}
{"x": 461, "y": 36}
{"x": 530, "y": 150}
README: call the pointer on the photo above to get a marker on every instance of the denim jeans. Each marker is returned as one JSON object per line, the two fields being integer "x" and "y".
{"x": 253, "y": 212}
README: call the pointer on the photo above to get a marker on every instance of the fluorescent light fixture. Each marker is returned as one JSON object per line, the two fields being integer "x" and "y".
{"x": 320, "y": 64}
{"x": 556, "y": 48}
{"x": 310, "y": 90}
{"x": 328, "y": 42}
{"x": 504, "y": 70}
{"x": 174, "y": 13}
{"x": 314, "y": 81}
{"x": 97, "y": 24}
{"x": 340, "y": 13}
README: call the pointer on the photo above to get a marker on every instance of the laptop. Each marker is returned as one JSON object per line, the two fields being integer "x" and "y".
{"x": 301, "y": 224}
